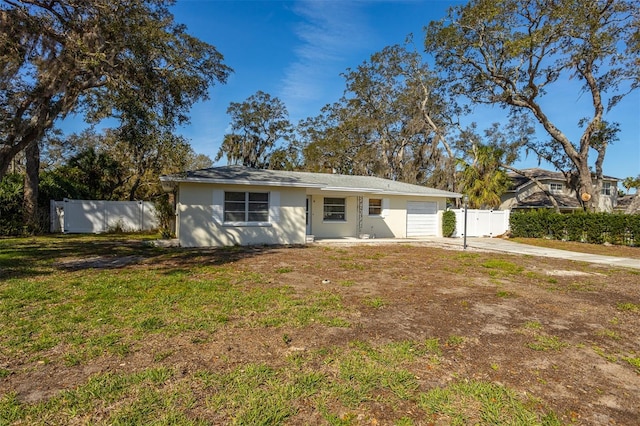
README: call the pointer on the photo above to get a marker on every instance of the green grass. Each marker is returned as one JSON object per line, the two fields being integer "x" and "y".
{"x": 505, "y": 294}
{"x": 542, "y": 341}
{"x": 96, "y": 311}
{"x": 601, "y": 352}
{"x": 65, "y": 317}
{"x": 374, "y": 302}
{"x": 612, "y": 334}
{"x": 259, "y": 394}
{"x": 477, "y": 402}
{"x": 634, "y": 361}
{"x": 454, "y": 340}
{"x": 533, "y": 325}
{"x": 547, "y": 343}
{"x": 629, "y": 307}
{"x": 496, "y": 266}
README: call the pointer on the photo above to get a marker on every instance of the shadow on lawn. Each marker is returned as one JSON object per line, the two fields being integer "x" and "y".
{"x": 34, "y": 256}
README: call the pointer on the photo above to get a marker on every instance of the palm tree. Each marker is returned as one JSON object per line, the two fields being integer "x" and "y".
{"x": 630, "y": 182}
{"x": 483, "y": 180}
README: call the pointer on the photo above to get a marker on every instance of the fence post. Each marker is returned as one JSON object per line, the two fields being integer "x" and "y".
{"x": 141, "y": 216}
{"x": 465, "y": 199}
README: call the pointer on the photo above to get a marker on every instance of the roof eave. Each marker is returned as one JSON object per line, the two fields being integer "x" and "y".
{"x": 390, "y": 192}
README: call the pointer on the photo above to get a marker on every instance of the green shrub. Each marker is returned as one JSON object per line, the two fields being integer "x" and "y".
{"x": 11, "y": 204}
{"x": 595, "y": 228}
{"x": 448, "y": 223}
{"x": 165, "y": 215}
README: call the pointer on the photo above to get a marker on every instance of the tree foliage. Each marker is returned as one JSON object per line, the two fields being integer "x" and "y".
{"x": 486, "y": 157}
{"x": 11, "y": 204}
{"x": 631, "y": 183}
{"x": 93, "y": 166}
{"x": 97, "y": 57}
{"x": 257, "y": 125}
{"x": 483, "y": 180}
{"x": 513, "y": 52}
{"x": 131, "y": 163}
{"x": 393, "y": 121}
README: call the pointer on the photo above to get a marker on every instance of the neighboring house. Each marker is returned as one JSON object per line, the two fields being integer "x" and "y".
{"x": 626, "y": 204}
{"x": 236, "y": 205}
{"x": 526, "y": 194}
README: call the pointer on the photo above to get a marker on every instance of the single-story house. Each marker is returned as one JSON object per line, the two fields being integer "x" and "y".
{"x": 525, "y": 194}
{"x": 236, "y": 205}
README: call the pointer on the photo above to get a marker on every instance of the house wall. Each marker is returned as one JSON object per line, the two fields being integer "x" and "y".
{"x": 391, "y": 224}
{"x": 199, "y": 217}
{"x": 385, "y": 225}
{"x": 200, "y": 225}
{"x": 329, "y": 229}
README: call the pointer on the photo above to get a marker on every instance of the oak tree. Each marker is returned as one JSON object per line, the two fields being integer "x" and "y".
{"x": 73, "y": 56}
{"x": 258, "y": 125}
{"x": 512, "y": 53}
{"x": 393, "y": 121}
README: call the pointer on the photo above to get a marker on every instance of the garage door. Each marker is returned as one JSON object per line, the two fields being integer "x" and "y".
{"x": 422, "y": 218}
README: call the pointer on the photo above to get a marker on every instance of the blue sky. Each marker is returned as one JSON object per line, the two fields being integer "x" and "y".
{"x": 296, "y": 50}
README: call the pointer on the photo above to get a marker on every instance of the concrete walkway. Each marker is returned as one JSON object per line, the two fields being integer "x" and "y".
{"x": 499, "y": 245}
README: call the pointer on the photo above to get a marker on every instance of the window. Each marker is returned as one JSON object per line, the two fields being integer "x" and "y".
{"x": 334, "y": 209}
{"x": 375, "y": 206}
{"x": 555, "y": 187}
{"x": 606, "y": 188}
{"x": 246, "y": 207}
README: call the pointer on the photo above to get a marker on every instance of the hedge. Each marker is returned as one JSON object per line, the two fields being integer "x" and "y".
{"x": 596, "y": 228}
{"x": 448, "y": 223}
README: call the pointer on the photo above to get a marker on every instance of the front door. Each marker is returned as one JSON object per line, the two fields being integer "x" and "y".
{"x": 308, "y": 215}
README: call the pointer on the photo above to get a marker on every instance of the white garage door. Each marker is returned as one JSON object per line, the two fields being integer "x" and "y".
{"x": 422, "y": 218}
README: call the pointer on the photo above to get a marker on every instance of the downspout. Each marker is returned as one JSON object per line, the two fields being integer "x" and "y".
{"x": 360, "y": 218}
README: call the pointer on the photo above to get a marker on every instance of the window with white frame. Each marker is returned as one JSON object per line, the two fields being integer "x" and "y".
{"x": 246, "y": 206}
{"x": 375, "y": 206}
{"x": 606, "y": 188}
{"x": 556, "y": 187}
{"x": 335, "y": 209}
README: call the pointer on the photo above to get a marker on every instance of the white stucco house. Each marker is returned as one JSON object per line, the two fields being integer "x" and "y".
{"x": 235, "y": 205}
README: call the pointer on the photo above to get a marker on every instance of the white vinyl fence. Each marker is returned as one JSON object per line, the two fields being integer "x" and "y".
{"x": 94, "y": 216}
{"x": 482, "y": 223}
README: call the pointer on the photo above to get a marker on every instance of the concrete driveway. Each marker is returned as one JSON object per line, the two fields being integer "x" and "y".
{"x": 499, "y": 245}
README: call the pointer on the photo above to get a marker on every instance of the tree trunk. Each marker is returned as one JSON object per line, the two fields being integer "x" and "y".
{"x": 31, "y": 182}
{"x": 134, "y": 187}
{"x": 591, "y": 201}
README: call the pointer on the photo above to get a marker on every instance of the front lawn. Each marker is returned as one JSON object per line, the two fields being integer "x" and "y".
{"x": 110, "y": 330}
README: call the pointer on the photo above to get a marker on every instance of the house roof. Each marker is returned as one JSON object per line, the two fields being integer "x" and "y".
{"x": 625, "y": 201}
{"x": 540, "y": 200}
{"x": 519, "y": 181}
{"x": 240, "y": 175}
